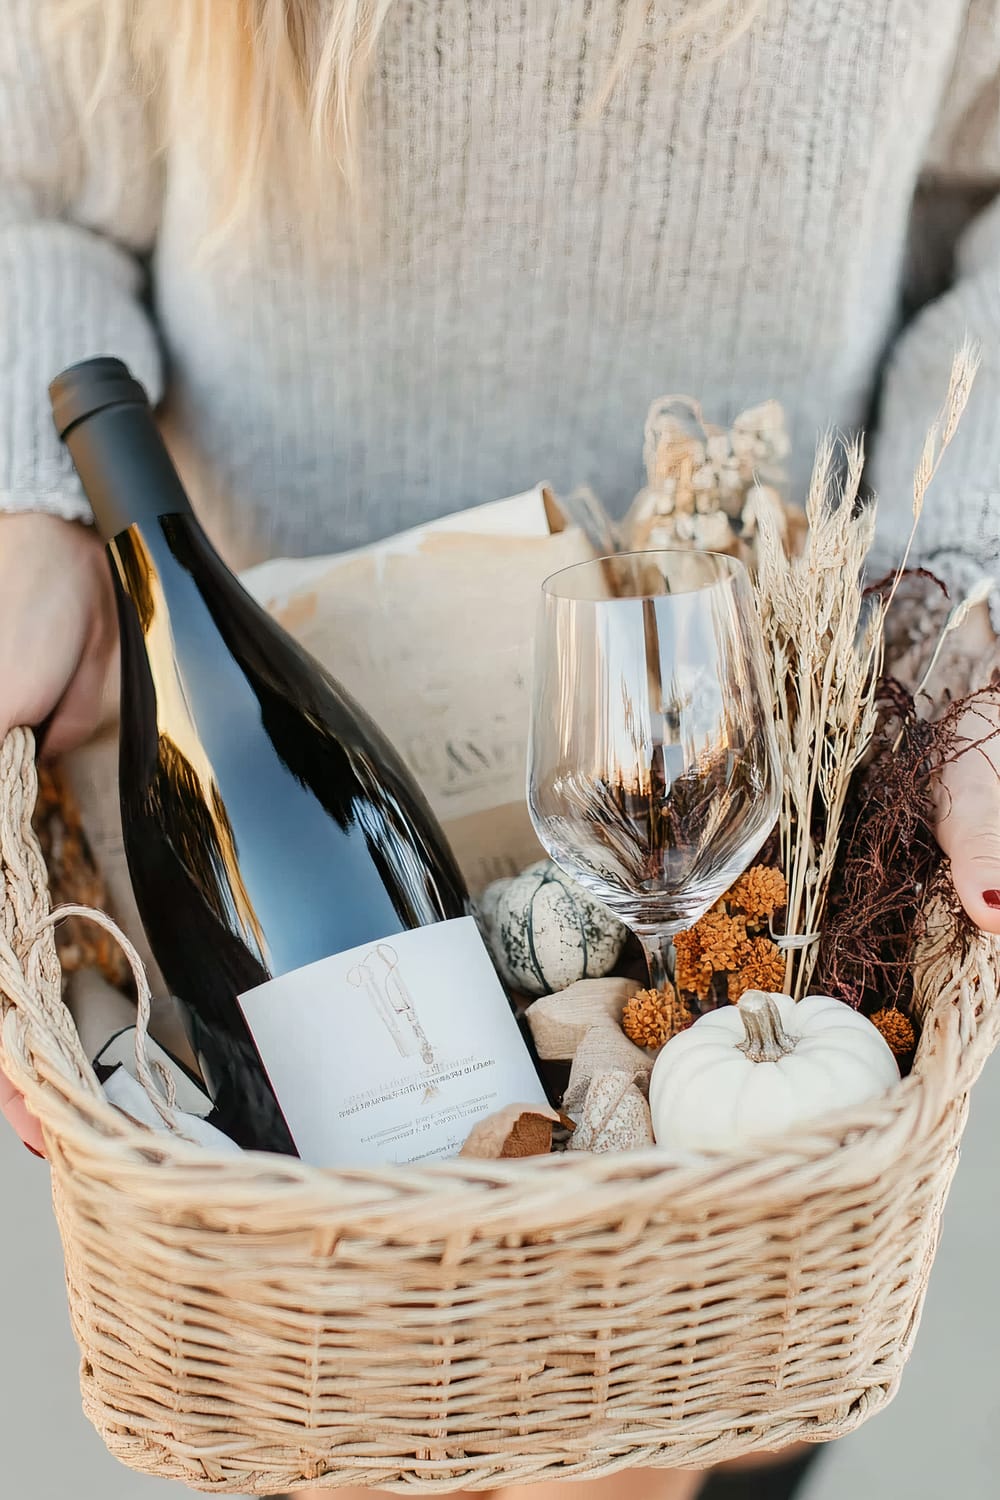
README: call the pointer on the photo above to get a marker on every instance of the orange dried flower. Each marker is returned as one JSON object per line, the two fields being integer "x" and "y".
{"x": 723, "y": 941}
{"x": 728, "y": 940}
{"x": 652, "y": 1017}
{"x": 759, "y": 893}
{"x": 691, "y": 972}
{"x": 764, "y": 969}
{"x": 717, "y": 944}
{"x": 897, "y": 1029}
{"x": 74, "y": 879}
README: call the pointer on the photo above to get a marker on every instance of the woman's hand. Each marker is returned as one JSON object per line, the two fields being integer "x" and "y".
{"x": 58, "y": 633}
{"x": 968, "y": 813}
{"x": 12, "y": 1107}
{"x": 58, "y": 657}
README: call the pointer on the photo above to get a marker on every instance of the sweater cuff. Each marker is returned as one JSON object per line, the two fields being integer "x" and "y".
{"x": 961, "y": 572}
{"x": 66, "y": 295}
{"x": 69, "y": 503}
{"x": 958, "y": 569}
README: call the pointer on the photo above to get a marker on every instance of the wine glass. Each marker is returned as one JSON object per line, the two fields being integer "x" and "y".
{"x": 654, "y": 776}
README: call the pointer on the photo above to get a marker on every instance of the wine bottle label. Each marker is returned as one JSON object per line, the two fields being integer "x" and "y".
{"x": 390, "y": 1052}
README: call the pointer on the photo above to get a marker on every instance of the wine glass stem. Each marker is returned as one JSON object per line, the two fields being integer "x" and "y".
{"x": 658, "y": 946}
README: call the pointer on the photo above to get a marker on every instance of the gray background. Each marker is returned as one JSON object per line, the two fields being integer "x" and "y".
{"x": 942, "y": 1436}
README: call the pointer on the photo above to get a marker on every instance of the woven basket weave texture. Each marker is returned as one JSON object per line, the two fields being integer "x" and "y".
{"x": 252, "y": 1324}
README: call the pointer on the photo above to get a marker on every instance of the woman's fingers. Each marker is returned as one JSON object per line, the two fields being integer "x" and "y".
{"x": 968, "y": 814}
{"x": 13, "y": 1108}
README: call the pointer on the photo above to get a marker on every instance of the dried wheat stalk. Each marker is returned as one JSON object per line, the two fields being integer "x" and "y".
{"x": 825, "y": 640}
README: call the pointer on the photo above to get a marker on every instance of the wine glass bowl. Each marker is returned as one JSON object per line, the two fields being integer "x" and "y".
{"x": 654, "y": 775}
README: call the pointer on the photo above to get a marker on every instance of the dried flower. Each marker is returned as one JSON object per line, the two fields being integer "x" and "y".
{"x": 897, "y": 1029}
{"x": 652, "y": 1017}
{"x": 727, "y": 942}
{"x": 764, "y": 969}
{"x": 691, "y": 972}
{"x": 890, "y": 858}
{"x": 723, "y": 940}
{"x": 702, "y": 479}
{"x": 759, "y": 893}
{"x": 825, "y": 636}
{"x": 74, "y": 879}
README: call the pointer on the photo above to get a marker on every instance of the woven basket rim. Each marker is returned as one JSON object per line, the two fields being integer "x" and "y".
{"x": 42, "y": 1053}
{"x": 848, "y": 1130}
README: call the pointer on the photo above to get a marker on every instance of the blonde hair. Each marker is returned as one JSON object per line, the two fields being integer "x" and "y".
{"x": 284, "y": 80}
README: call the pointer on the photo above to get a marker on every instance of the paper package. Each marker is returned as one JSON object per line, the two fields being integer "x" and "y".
{"x": 432, "y": 633}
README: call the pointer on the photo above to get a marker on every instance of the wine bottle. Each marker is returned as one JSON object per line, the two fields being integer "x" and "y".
{"x": 296, "y": 890}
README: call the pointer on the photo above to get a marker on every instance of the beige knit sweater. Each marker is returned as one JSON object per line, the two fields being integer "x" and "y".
{"x": 807, "y": 215}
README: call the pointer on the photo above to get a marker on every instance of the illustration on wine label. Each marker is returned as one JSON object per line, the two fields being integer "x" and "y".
{"x": 391, "y": 999}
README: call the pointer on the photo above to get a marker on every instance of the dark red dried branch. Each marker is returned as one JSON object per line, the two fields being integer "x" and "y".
{"x": 890, "y": 855}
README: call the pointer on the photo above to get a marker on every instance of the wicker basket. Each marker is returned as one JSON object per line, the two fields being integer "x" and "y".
{"x": 252, "y": 1324}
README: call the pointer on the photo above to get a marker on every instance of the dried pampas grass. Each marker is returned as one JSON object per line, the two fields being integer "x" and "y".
{"x": 825, "y": 636}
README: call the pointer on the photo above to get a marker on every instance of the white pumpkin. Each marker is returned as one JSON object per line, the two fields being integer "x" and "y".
{"x": 546, "y": 932}
{"x": 763, "y": 1069}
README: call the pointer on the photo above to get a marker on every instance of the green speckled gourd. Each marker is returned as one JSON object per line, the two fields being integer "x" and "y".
{"x": 546, "y": 932}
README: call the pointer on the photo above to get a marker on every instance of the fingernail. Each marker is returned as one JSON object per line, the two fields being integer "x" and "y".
{"x": 33, "y": 1151}
{"x": 992, "y": 898}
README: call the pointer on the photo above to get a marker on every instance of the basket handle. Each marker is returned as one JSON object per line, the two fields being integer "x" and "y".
{"x": 39, "y": 1043}
{"x": 153, "y": 1076}
{"x": 973, "y": 976}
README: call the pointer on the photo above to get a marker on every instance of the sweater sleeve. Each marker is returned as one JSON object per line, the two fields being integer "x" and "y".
{"x": 959, "y": 532}
{"x": 79, "y": 198}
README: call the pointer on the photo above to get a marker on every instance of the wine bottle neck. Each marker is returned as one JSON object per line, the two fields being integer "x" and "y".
{"x": 103, "y": 416}
{"x": 126, "y": 472}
